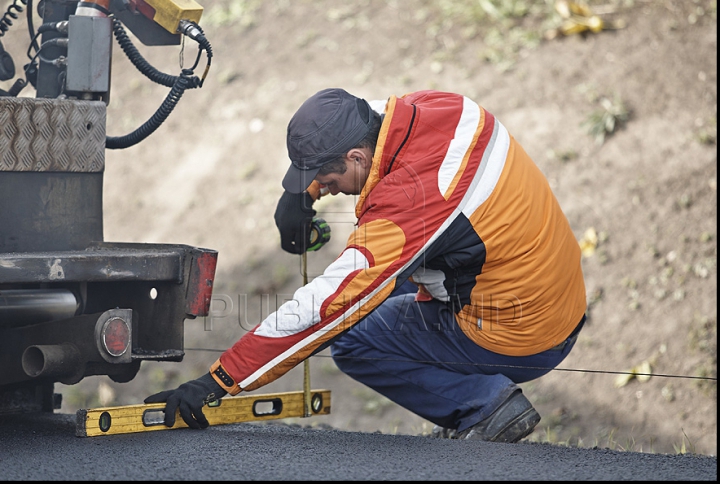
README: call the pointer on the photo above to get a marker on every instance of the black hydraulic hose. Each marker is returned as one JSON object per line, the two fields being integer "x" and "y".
{"x": 141, "y": 64}
{"x": 178, "y": 83}
{"x": 11, "y": 14}
{"x": 183, "y": 82}
{"x": 31, "y": 28}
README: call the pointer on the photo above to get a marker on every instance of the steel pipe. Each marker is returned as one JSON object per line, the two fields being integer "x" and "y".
{"x": 51, "y": 360}
{"x": 22, "y": 307}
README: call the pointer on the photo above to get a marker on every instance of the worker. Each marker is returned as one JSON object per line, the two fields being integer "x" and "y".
{"x": 448, "y": 203}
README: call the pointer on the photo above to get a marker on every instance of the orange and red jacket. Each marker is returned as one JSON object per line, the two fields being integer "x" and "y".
{"x": 454, "y": 203}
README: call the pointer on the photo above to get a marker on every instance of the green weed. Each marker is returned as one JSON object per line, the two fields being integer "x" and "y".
{"x": 609, "y": 117}
{"x": 682, "y": 448}
{"x": 707, "y": 133}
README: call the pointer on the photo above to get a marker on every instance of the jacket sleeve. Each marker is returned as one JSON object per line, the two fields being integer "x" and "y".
{"x": 359, "y": 280}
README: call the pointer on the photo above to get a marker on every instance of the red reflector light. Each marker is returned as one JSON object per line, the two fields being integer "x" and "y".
{"x": 200, "y": 283}
{"x": 116, "y": 336}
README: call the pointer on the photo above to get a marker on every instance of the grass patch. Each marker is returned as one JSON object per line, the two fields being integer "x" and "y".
{"x": 610, "y": 115}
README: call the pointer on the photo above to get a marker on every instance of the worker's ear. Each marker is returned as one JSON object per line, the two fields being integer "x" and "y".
{"x": 357, "y": 155}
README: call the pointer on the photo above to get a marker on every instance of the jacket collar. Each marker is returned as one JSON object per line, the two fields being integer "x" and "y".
{"x": 383, "y": 153}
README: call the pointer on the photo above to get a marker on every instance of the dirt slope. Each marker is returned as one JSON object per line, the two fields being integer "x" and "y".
{"x": 210, "y": 176}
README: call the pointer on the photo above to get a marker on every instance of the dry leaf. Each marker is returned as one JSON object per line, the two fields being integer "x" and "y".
{"x": 641, "y": 372}
{"x": 589, "y": 242}
{"x": 624, "y": 379}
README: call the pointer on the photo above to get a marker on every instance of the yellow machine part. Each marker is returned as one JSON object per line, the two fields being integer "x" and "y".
{"x": 169, "y": 13}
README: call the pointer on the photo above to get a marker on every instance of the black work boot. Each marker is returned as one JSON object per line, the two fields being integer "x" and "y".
{"x": 513, "y": 420}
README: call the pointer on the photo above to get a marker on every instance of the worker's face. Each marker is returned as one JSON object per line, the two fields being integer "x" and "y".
{"x": 352, "y": 181}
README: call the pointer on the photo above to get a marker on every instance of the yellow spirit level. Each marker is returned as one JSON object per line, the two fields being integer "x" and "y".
{"x": 142, "y": 418}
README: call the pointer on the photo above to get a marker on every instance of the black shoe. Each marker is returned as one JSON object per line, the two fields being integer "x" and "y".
{"x": 515, "y": 419}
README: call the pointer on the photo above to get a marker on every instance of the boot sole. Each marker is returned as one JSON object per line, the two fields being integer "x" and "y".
{"x": 520, "y": 428}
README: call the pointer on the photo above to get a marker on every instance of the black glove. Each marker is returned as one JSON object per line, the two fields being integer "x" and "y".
{"x": 190, "y": 397}
{"x": 293, "y": 217}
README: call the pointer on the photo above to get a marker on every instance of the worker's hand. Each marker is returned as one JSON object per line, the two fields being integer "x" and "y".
{"x": 293, "y": 217}
{"x": 190, "y": 398}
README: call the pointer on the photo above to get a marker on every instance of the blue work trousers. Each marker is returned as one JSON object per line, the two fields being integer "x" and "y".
{"x": 415, "y": 354}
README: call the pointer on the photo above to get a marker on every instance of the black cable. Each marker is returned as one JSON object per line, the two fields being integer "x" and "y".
{"x": 143, "y": 65}
{"x": 178, "y": 83}
{"x": 195, "y": 32}
{"x": 11, "y": 14}
{"x": 61, "y": 27}
{"x": 183, "y": 82}
{"x": 197, "y": 59}
{"x": 38, "y": 55}
{"x": 499, "y": 366}
{"x": 33, "y": 43}
{"x": 31, "y": 28}
{"x": 57, "y": 41}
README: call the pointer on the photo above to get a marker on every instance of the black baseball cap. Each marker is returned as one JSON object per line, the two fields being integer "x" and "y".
{"x": 326, "y": 126}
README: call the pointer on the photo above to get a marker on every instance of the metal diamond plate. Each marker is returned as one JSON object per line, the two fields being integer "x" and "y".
{"x": 52, "y": 135}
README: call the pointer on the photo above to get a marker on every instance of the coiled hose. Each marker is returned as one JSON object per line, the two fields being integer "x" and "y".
{"x": 178, "y": 86}
{"x": 11, "y": 14}
{"x": 139, "y": 61}
{"x": 182, "y": 82}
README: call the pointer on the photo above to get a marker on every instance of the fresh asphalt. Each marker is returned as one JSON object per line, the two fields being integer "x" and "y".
{"x": 44, "y": 447}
